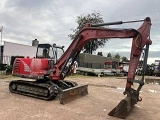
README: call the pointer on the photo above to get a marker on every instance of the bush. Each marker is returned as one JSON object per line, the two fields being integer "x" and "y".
{"x": 2, "y": 66}
{"x": 8, "y": 69}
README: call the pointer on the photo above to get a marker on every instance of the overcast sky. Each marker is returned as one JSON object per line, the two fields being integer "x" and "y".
{"x": 50, "y": 21}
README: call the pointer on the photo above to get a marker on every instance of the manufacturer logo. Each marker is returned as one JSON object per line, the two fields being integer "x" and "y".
{"x": 107, "y": 33}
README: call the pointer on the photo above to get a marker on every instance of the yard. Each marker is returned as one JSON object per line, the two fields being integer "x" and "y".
{"x": 104, "y": 94}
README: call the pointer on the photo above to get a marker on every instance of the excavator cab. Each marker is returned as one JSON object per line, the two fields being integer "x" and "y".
{"x": 49, "y": 51}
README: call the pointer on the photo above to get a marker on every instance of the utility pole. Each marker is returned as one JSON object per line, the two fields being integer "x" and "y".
{"x": 1, "y": 30}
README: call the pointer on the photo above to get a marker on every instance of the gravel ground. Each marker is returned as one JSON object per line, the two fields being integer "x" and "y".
{"x": 104, "y": 94}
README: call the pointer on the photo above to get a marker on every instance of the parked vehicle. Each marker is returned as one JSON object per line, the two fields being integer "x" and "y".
{"x": 157, "y": 68}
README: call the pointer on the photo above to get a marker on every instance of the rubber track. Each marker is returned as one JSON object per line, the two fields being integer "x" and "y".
{"x": 45, "y": 91}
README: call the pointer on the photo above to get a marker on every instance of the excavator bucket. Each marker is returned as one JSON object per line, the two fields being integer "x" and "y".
{"x": 73, "y": 93}
{"x": 123, "y": 108}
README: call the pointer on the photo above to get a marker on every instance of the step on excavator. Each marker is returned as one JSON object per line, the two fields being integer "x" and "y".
{"x": 49, "y": 71}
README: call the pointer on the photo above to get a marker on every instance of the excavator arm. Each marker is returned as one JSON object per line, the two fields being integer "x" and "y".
{"x": 89, "y": 32}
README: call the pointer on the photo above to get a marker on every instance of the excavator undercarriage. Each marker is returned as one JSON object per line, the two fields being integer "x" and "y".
{"x": 48, "y": 90}
{"x": 45, "y": 91}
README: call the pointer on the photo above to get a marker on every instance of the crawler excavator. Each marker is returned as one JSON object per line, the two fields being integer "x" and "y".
{"x": 49, "y": 73}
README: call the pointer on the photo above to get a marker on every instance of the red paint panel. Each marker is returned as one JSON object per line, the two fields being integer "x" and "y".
{"x": 30, "y": 66}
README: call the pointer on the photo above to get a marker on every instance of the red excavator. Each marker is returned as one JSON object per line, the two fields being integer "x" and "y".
{"x": 50, "y": 73}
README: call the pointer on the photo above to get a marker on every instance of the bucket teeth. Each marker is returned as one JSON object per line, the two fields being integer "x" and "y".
{"x": 123, "y": 108}
{"x": 120, "y": 110}
{"x": 126, "y": 105}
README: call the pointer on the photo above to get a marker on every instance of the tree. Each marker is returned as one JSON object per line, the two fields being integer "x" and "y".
{"x": 117, "y": 56}
{"x": 93, "y": 18}
{"x": 109, "y": 55}
{"x": 124, "y": 58}
{"x": 100, "y": 54}
{"x": 153, "y": 64}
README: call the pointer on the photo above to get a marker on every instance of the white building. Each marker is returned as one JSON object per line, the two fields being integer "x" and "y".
{"x": 14, "y": 49}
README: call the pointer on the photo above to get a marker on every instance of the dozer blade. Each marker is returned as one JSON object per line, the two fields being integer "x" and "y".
{"x": 122, "y": 109}
{"x": 73, "y": 93}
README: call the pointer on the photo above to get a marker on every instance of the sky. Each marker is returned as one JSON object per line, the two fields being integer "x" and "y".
{"x": 51, "y": 21}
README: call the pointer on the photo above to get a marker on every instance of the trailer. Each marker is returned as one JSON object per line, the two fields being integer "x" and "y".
{"x": 97, "y": 72}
